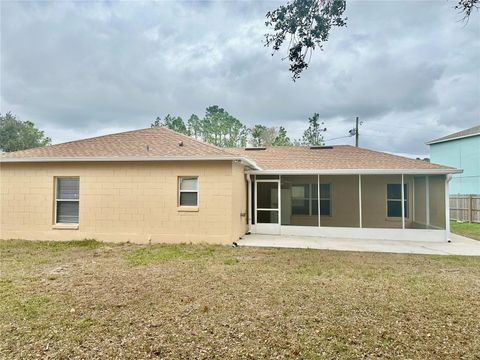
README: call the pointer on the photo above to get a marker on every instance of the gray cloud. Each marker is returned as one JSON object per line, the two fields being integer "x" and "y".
{"x": 408, "y": 69}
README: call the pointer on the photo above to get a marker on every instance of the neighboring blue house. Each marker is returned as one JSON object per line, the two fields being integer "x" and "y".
{"x": 460, "y": 150}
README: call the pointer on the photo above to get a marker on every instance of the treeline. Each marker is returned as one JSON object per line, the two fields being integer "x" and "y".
{"x": 219, "y": 128}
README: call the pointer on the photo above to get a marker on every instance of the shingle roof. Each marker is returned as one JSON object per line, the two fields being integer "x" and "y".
{"x": 461, "y": 134}
{"x": 335, "y": 157}
{"x": 162, "y": 143}
{"x": 151, "y": 142}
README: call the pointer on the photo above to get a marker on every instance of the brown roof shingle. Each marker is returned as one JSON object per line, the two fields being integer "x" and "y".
{"x": 336, "y": 157}
{"x": 461, "y": 134}
{"x": 162, "y": 143}
{"x": 151, "y": 142}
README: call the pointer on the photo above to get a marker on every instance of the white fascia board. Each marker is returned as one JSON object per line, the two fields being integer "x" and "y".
{"x": 358, "y": 171}
{"x": 243, "y": 160}
{"x": 451, "y": 139}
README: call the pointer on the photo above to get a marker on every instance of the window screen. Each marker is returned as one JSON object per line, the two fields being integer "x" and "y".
{"x": 394, "y": 200}
{"x": 67, "y": 200}
{"x": 188, "y": 191}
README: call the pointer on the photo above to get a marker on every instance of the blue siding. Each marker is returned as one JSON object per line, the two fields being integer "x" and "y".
{"x": 463, "y": 154}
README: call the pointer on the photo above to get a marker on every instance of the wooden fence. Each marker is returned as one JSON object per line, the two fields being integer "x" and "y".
{"x": 465, "y": 208}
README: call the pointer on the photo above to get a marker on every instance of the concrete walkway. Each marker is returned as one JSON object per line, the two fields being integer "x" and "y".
{"x": 460, "y": 245}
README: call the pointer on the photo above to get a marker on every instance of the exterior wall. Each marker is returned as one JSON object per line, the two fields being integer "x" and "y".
{"x": 463, "y": 154}
{"x": 374, "y": 201}
{"x": 344, "y": 201}
{"x": 437, "y": 201}
{"x": 419, "y": 218}
{"x": 124, "y": 201}
{"x": 239, "y": 202}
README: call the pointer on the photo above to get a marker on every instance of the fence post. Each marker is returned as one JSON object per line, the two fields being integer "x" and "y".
{"x": 470, "y": 208}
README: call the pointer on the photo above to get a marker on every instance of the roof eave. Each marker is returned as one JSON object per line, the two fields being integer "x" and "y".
{"x": 437, "y": 141}
{"x": 357, "y": 171}
{"x": 245, "y": 161}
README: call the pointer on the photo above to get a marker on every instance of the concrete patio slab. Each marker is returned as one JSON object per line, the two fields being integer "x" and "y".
{"x": 459, "y": 245}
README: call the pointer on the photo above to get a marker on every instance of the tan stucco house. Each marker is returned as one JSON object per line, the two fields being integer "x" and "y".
{"x": 155, "y": 185}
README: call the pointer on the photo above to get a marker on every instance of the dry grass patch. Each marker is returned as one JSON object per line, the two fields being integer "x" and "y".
{"x": 198, "y": 301}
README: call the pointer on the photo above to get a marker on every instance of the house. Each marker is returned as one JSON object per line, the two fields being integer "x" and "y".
{"x": 155, "y": 185}
{"x": 460, "y": 150}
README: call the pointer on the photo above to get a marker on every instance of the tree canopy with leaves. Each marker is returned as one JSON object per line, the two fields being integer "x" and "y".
{"x": 217, "y": 127}
{"x": 305, "y": 25}
{"x": 282, "y": 139}
{"x": 313, "y": 136}
{"x": 20, "y": 135}
{"x": 220, "y": 128}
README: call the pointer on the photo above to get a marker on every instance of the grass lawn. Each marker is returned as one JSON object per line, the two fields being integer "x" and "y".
{"x": 471, "y": 230}
{"x": 92, "y": 300}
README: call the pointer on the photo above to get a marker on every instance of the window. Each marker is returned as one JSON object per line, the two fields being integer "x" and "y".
{"x": 325, "y": 200}
{"x": 394, "y": 200}
{"x": 66, "y": 200}
{"x": 305, "y": 199}
{"x": 188, "y": 191}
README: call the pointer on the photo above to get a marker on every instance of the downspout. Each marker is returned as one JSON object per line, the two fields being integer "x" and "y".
{"x": 249, "y": 202}
{"x": 447, "y": 207}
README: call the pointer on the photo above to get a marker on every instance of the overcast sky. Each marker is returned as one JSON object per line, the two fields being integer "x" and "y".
{"x": 409, "y": 69}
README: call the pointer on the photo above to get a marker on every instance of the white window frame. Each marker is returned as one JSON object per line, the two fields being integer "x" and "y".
{"x": 404, "y": 203}
{"x": 180, "y": 191}
{"x": 65, "y": 200}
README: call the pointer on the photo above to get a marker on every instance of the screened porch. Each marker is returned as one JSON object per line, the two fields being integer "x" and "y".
{"x": 390, "y": 206}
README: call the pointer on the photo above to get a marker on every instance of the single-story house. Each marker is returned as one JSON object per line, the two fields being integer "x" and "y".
{"x": 155, "y": 185}
{"x": 460, "y": 150}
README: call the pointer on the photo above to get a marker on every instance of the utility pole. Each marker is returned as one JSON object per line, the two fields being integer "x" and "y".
{"x": 356, "y": 132}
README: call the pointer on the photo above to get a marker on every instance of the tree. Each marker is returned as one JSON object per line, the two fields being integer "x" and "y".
{"x": 222, "y": 129}
{"x": 20, "y": 135}
{"x": 466, "y": 7}
{"x": 195, "y": 127}
{"x": 313, "y": 135}
{"x": 282, "y": 139}
{"x": 306, "y": 24}
{"x": 260, "y": 135}
{"x": 174, "y": 123}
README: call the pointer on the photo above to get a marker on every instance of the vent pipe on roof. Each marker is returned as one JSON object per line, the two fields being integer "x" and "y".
{"x": 180, "y": 143}
{"x": 321, "y": 147}
{"x": 255, "y": 148}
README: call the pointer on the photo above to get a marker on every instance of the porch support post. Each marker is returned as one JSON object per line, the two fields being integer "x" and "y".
{"x": 447, "y": 207}
{"x": 280, "y": 200}
{"x": 318, "y": 198}
{"x": 249, "y": 202}
{"x": 413, "y": 199}
{"x": 403, "y": 204}
{"x": 360, "y": 200}
{"x": 427, "y": 201}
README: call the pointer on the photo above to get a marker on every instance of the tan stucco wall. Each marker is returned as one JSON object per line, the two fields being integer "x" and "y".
{"x": 437, "y": 201}
{"x": 125, "y": 201}
{"x": 420, "y": 202}
{"x": 239, "y": 201}
{"x": 344, "y": 203}
{"x": 374, "y": 201}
